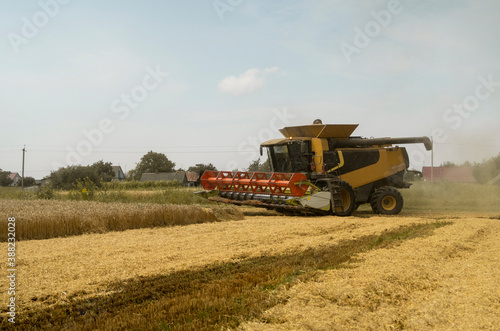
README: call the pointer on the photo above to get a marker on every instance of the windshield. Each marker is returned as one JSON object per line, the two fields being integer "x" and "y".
{"x": 288, "y": 158}
{"x": 280, "y": 159}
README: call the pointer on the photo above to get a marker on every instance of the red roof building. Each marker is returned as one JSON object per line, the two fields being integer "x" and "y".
{"x": 449, "y": 174}
{"x": 16, "y": 179}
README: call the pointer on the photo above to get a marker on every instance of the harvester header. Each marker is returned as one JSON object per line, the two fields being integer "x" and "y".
{"x": 255, "y": 182}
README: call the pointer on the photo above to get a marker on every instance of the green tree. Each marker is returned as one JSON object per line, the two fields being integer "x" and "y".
{"x": 28, "y": 181}
{"x": 65, "y": 178}
{"x": 448, "y": 164}
{"x": 4, "y": 178}
{"x": 487, "y": 170}
{"x": 259, "y": 167}
{"x": 200, "y": 168}
{"x": 151, "y": 162}
{"x": 103, "y": 170}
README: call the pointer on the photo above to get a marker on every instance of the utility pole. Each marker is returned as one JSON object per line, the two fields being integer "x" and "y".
{"x": 432, "y": 161}
{"x": 22, "y": 178}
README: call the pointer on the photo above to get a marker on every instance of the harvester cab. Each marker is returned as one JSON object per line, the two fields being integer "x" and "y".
{"x": 319, "y": 169}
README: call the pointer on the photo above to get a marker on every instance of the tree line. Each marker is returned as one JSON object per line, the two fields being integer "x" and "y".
{"x": 152, "y": 162}
{"x": 100, "y": 172}
{"x": 484, "y": 171}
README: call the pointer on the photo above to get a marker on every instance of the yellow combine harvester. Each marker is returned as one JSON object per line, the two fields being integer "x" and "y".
{"x": 320, "y": 169}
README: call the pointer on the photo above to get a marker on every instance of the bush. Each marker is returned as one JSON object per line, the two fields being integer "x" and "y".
{"x": 46, "y": 192}
{"x": 487, "y": 170}
{"x": 83, "y": 189}
{"x": 66, "y": 178}
{"x": 135, "y": 184}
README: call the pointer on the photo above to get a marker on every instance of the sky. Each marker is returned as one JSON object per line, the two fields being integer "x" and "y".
{"x": 206, "y": 81}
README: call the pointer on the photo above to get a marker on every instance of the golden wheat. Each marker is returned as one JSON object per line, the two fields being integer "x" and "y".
{"x": 446, "y": 281}
{"x": 43, "y": 219}
{"x": 87, "y": 263}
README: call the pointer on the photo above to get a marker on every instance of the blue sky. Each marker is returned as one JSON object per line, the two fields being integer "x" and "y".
{"x": 208, "y": 80}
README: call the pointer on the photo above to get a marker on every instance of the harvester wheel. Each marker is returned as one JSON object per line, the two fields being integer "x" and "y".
{"x": 387, "y": 201}
{"x": 348, "y": 198}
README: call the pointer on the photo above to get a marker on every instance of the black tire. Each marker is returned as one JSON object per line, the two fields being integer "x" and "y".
{"x": 386, "y": 200}
{"x": 348, "y": 200}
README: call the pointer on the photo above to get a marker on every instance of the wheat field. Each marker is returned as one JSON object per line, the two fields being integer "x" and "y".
{"x": 43, "y": 219}
{"x": 450, "y": 281}
{"x": 140, "y": 279}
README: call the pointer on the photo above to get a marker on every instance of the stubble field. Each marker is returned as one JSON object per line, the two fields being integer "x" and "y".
{"x": 268, "y": 272}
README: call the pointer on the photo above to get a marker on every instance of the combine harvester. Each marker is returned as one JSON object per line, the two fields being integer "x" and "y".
{"x": 320, "y": 169}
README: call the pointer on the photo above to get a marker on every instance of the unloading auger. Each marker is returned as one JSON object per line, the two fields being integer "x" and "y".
{"x": 320, "y": 169}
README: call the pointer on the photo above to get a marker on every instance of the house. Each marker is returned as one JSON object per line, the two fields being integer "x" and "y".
{"x": 119, "y": 174}
{"x": 166, "y": 176}
{"x": 449, "y": 174}
{"x": 16, "y": 179}
{"x": 42, "y": 182}
{"x": 193, "y": 178}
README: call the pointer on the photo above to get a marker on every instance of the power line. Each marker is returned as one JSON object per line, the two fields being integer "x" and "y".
{"x": 142, "y": 152}
{"x": 176, "y": 146}
{"x": 468, "y": 144}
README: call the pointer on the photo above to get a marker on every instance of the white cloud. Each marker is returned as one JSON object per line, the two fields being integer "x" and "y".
{"x": 245, "y": 83}
{"x": 273, "y": 69}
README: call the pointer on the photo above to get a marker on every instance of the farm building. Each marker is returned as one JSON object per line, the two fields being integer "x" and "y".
{"x": 119, "y": 174}
{"x": 449, "y": 174}
{"x": 41, "y": 182}
{"x": 193, "y": 178}
{"x": 16, "y": 179}
{"x": 165, "y": 176}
